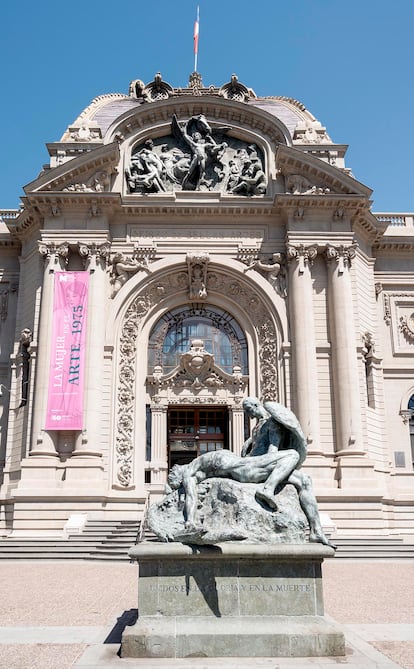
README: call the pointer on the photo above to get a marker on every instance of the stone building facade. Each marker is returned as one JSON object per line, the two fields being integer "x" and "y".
{"x": 229, "y": 252}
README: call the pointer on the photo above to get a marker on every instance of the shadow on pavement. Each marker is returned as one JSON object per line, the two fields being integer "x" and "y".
{"x": 128, "y": 618}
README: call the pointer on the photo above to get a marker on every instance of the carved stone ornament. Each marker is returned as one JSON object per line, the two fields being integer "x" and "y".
{"x": 123, "y": 268}
{"x": 53, "y": 252}
{"x": 378, "y": 288}
{"x": 85, "y": 133}
{"x": 274, "y": 271}
{"x": 407, "y": 327}
{"x": 296, "y": 184}
{"x": 152, "y": 92}
{"x": 304, "y": 255}
{"x": 92, "y": 253}
{"x": 195, "y": 83}
{"x": 197, "y": 275}
{"x": 98, "y": 183}
{"x": 311, "y": 132}
{"x": 155, "y": 291}
{"x": 234, "y": 90}
{"x": 406, "y": 415}
{"x": 343, "y": 255}
{"x": 197, "y": 370}
{"x": 368, "y": 346}
{"x": 387, "y": 309}
{"x": 197, "y": 156}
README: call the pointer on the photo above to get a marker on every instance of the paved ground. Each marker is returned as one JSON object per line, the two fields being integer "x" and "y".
{"x": 62, "y": 615}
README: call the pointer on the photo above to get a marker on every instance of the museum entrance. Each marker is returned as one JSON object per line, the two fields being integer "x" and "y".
{"x": 193, "y": 431}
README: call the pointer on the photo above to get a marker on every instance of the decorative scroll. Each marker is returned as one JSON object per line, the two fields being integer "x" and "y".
{"x": 304, "y": 255}
{"x": 343, "y": 255}
{"x": 67, "y": 362}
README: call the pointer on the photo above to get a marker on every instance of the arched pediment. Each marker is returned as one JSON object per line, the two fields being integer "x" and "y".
{"x": 245, "y": 119}
{"x": 198, "y": 145}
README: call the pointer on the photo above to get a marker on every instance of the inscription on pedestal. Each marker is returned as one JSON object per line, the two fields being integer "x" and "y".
{"x": 224, "y": 592}
{"x": 231, "y": 600}
{"x": 264, "y": 587}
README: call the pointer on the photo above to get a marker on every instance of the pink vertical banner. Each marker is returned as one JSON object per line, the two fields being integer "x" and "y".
{"x": 67, "y": 362}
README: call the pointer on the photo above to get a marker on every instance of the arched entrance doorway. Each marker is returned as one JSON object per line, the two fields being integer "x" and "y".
{"x": 202, "y": 364}
{"x": 198, "y": 354}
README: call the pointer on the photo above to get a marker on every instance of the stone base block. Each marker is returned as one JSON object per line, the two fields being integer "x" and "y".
{"x": 278, "y": 636}
{"x": 231, "y": 600}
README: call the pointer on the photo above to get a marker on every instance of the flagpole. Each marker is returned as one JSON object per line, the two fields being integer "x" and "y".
{"x": 196, "y": 33}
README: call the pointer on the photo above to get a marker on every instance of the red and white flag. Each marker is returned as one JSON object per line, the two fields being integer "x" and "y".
{"x": 196, "y": 30}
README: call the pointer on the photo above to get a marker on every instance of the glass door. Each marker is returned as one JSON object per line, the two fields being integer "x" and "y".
{"x": 193, "y": 431}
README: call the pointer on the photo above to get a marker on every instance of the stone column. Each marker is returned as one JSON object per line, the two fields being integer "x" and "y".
{"x": 305, "y": 392}
{"x": 159, "y": 459}
{"x": 344, "y": 353}
{"x": 237, "y": 427}
{"x": 88, "y": 442}
{"x": 44, "y": 442}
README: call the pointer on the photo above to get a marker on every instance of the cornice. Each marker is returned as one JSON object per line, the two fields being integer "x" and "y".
{"x": 291, "y": 160}
{"x": 399, "y": 279}
{"x": 55, "y": 179}
{"x": 28, "y": 218}
{"x": 395, "y": 245}
{"x": 181, "y": 204}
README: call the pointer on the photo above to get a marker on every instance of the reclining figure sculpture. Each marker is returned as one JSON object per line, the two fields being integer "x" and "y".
{"x": 272, "y": 456}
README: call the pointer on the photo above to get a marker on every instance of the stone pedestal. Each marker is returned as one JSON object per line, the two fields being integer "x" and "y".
{"x": 231, "y": 599}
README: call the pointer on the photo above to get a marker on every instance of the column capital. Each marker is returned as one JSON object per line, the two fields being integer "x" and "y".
{"x": 91, "y": 253}
{"x": 158, "y": 408}
{"x": 304, "y": 255}
{"x": 341, "y": 254}
{"x": 53, "y": 253}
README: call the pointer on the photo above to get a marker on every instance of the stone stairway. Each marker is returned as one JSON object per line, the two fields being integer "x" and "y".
{"x": 111, "y": 540}
{"x": 374, "y": 547}
{"x": 100, "y": 540}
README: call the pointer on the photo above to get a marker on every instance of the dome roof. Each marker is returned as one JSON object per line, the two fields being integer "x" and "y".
{"x": 95, "y": 120}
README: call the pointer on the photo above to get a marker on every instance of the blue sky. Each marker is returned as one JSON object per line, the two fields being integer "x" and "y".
{"x": 350, "y": 63}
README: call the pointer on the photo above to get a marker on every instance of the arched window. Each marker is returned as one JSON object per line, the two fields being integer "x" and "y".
{"x": 411, "y": 423}
{"x": 220, "y": 332}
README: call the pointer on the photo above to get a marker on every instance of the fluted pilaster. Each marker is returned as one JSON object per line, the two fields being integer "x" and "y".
{"x": 159, "y": 456}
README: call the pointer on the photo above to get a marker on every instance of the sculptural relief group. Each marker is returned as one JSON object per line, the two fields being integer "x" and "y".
{"x": 197, "y": 157}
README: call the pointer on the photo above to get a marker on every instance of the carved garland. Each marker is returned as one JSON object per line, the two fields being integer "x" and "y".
{"x": 246, "y": 298}
{"x": 407, "y": 327}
